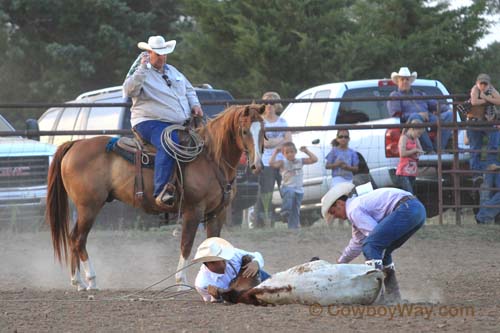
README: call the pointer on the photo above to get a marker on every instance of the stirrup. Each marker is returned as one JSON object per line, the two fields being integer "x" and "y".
{"x": 167, "y": 196}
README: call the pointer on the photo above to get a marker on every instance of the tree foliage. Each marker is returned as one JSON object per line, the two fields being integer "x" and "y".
{"x": 255, "y": 45}
{"x": 52, "y": 50}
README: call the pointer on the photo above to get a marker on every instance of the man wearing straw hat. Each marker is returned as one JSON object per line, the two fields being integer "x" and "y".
{"x": 382, "y": 221}
{"x": 221, "y": 264}
{"x": 420, "y": 109}
{"x": 161, "y": 96}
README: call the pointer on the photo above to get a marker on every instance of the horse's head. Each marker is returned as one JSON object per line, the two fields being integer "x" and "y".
{"x": 251, "y": 135}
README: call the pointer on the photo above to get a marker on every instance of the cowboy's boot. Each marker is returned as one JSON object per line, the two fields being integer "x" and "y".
{"x": 166, "y": 198}
{"x": 392, "y": 294}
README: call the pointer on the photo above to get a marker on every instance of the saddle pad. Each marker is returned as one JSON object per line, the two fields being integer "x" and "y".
{"x": 129, "y": 156}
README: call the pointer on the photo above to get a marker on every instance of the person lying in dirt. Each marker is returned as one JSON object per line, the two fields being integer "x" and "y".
{"x": 221, "y": 264}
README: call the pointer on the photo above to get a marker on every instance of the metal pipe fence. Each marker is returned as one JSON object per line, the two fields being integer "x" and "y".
{"x": 457, "y": 170}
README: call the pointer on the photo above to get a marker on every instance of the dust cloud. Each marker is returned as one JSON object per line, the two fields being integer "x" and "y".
{"x": 121, "y": 259}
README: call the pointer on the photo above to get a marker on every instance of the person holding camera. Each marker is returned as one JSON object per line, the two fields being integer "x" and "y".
{"x": 484, "y": 95}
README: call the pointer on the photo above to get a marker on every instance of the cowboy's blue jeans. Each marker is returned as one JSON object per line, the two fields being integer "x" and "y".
{"x": 264, "y": 275}
{"x": 394, "y": 230}
{"x": 151, "y": 131}
{"x": 476, "y": 138}
{"x": 290, "y": 205}
{"x": 425, "y": 140}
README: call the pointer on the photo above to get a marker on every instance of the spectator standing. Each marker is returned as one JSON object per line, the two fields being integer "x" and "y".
{"x": 409, "y": 152}
{"x": 483, "y": 97}
{"x": 422, "y": 110}
{"x": 487, "y": 215}
{"x": 269, "y": 176}
{"x": 292, "y": 187}
{"x": 342, "y": 160}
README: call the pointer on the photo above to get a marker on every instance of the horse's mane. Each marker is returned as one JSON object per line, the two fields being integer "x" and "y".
{"x": 215, "y": 133}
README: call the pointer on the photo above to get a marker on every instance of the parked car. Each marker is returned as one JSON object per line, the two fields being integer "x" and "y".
{"x": 24, "y": 164}
{"x": 378, "y": 147}
{"x": 114, "y": 118}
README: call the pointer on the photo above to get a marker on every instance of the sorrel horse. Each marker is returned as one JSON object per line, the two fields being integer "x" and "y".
{"x": 87, "y": 174}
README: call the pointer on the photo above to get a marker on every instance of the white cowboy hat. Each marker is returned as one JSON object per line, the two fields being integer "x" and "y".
{"x": 403, "y": 72}
{"x": 332, "y": 195}
{"x": 158, "y": 45}
{"x": 214, "y": 249}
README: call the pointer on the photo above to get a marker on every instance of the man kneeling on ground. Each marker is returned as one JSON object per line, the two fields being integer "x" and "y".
{"x": 221, "y": 264}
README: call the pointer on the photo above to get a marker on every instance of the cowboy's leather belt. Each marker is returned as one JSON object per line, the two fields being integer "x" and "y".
{"x": 403, "y": 200}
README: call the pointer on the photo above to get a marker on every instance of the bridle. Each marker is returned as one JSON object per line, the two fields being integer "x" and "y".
{"x": 244, "y": 132}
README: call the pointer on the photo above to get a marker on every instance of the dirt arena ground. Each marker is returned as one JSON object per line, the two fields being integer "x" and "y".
{"x": 449, "y": 274}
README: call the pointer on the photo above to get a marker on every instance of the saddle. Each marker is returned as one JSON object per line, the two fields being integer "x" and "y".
{"x": 141, "y": 153}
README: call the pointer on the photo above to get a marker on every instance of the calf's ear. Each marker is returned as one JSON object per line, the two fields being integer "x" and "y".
{"x": 262, "y": 109}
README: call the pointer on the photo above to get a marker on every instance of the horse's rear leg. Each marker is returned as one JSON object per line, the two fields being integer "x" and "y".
{"x": 79, "y": 255}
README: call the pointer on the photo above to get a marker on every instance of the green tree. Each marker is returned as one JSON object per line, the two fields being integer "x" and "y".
{"x": 254, "y": 45}
{"x": 436, "y": 42}
{"x": 488, "y": 61}
{"x": 52, "y": 50}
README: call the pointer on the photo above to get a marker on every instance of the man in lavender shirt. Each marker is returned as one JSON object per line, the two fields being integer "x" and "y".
{"x": 382, "y": 221}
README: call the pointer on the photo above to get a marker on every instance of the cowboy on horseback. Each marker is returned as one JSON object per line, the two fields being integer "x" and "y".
{"x": 161, "y": 96}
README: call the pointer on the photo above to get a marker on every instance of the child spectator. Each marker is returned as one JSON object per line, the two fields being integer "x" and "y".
{"x": 292, "y": 189}
{"x": 342, "y": 160}
{"x": 409, "y": 151}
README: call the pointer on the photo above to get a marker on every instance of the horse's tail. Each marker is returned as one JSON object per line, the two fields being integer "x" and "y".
{"x": 57, "y": 210}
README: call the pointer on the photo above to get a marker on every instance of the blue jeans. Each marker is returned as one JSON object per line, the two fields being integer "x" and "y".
{"x": 267, "y": 178}
{"x": 476, "y": 142}
{"x": 393, "y": 231}
{"x": 151, "y": 131}
{"x": 291, "y": 206}
{"x": 425, "y": 140}
{"x": 264, "y": 275}
{"x": 487, "y": 214}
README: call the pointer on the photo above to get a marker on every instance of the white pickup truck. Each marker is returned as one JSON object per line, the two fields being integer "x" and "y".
{"x": 378, "y": 147}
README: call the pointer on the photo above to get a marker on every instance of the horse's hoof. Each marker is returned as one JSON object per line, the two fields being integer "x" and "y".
{"x": 91, "y": 283}
{"x": 177, "y": 231}
{"x": 81, "y": 287}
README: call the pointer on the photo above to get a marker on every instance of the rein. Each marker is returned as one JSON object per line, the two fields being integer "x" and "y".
{"x": 226, "y": 186}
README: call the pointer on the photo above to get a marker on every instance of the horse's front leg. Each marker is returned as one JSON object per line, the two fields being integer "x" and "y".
{"x": 214, "y": 226}
{"x": 190, "y": 221}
